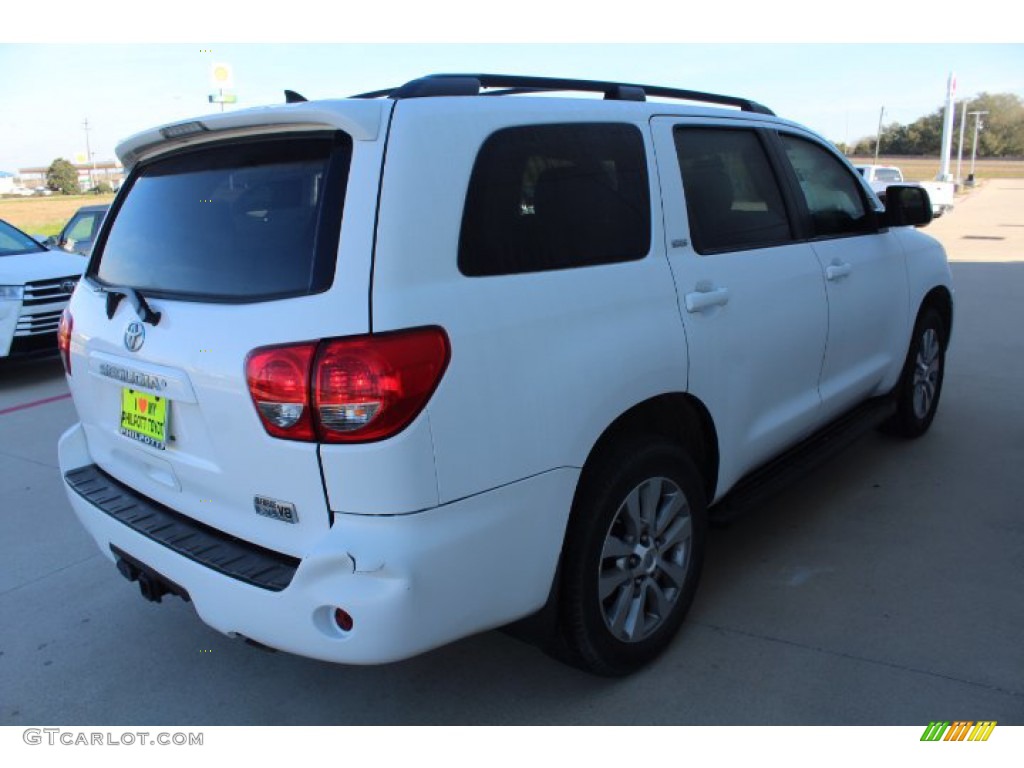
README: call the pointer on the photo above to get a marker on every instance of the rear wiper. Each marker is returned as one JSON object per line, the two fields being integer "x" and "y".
{"x": 142, "y": 308}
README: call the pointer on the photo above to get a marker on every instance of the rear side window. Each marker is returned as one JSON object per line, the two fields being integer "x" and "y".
{"x": 234, "y": 222}
{"x": 546, "y": 197}
{"x": 732, "y": 197}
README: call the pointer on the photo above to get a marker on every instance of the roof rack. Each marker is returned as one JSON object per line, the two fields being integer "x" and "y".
{"x": 472, "y": 85}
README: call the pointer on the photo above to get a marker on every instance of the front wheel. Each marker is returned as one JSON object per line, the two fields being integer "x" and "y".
{"x": 633, "y": 555}
{"x": 917, "y": 394}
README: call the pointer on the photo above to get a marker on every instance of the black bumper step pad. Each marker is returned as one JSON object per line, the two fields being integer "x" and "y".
{"x": 207, "y": 546}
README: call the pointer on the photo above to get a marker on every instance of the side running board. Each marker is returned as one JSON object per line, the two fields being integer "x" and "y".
{"x": 779, "y": 473}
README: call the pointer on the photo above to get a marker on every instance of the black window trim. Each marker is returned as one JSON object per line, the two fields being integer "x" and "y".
{"x": 326, "y": 252}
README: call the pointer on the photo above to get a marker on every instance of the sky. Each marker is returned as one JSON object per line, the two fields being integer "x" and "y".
{"x": 48, "y": 90}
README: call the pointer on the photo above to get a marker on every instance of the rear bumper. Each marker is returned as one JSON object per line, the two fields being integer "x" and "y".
{"x": 409, "y": 582}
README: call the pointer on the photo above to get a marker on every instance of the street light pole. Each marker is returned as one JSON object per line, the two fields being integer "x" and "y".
{"x": 88, "y": 154}
{"x": 960, "y": 150}
{"x": 974, "y": 149}
{"x": 878, "y": 138}
{"x": 947, "y": 129}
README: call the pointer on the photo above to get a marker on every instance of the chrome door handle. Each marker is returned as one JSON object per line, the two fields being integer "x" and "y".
{"x": 837, "y": 271}
{"x": 701, "y": 300}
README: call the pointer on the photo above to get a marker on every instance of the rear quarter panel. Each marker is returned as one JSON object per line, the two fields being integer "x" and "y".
{"x": 541, "y": 363}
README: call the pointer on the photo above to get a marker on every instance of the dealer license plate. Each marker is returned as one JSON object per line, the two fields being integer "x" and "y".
{"x": 144, "y": 417}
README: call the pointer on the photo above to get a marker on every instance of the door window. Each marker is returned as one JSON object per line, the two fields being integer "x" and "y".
{"x": 732, "y": 197}
{"x": 82, "y": 229}
{"x": 834, "y": 197}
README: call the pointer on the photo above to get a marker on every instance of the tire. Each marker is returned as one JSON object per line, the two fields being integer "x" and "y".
{"x": 917, "y": 394}
{"x": 633, "y": 555}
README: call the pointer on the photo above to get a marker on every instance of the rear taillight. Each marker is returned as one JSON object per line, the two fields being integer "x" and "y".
{"x": 278, "y": 380}
{"x": 347, "y": 390}
{"x": 371, "y": 387}
{"x": 64, "y": 329}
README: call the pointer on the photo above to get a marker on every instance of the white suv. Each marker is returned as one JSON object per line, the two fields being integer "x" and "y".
{"x": 362, "y": 377}
{"x": 35, "y": 285}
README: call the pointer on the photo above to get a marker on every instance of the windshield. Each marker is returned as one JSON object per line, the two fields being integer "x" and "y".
{"x": 241, "y": 221}
{"x": 14, "y": 242}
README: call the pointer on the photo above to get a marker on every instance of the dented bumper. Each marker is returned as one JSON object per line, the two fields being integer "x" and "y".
{"x": 409, "y": 582}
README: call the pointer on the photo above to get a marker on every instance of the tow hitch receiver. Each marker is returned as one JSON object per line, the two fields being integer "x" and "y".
{"x": 152, "y": 585}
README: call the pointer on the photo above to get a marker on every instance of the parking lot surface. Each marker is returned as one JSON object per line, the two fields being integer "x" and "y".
{"x": 884, "y": 589}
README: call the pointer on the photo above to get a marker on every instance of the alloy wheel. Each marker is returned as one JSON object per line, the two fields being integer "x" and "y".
{"x": 926, "y": 372}
{"x": 645, "y": 559}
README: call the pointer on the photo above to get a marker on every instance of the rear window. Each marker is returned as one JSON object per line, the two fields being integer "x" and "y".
{"x": 244, "y": 221}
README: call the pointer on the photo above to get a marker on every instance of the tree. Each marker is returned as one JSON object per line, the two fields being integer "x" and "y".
{"x": 864, "y": 147}
{"x": 1002, "y": 133}
{"x": 62, "y": 177}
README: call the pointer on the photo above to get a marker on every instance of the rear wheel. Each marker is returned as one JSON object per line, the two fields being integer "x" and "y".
{"x": 917, "y": 394}
{"x": 633, "y": 555}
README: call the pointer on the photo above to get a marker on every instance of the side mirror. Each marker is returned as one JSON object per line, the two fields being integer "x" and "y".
{"x": 907, "y": 206}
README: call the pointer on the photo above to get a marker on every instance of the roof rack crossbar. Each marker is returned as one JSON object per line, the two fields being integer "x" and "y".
{"x": 472, "y": 84}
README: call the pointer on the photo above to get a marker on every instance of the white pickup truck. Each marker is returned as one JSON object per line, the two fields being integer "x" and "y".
{"x": 879, "y": 177}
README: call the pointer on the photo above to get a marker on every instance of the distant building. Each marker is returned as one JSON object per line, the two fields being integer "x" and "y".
{"x": 7, "y": 184}
{"x": 109, "y": 171}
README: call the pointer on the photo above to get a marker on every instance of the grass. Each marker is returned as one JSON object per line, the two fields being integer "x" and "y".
{"x": 927, "y": 168}
{"x": 45, "y": 215}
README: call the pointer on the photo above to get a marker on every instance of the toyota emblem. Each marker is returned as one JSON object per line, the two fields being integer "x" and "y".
{"x": 68, "y": 286}
{"x": 134, "y": 336}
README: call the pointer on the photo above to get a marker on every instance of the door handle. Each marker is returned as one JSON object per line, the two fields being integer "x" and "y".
{"x": 837, "y": 271}
{"x": 699, "y": 300}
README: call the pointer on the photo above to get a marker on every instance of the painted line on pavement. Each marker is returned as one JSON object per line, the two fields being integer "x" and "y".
{"x": 34, "y": 403}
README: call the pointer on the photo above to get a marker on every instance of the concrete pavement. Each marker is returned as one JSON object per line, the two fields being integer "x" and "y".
{"x": 987, "y": 224}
